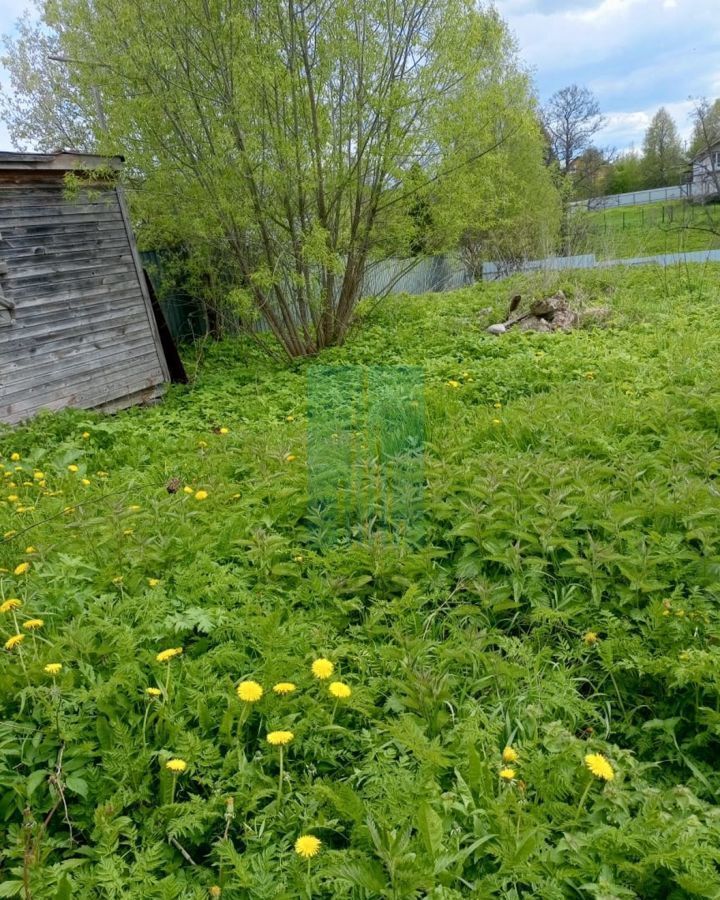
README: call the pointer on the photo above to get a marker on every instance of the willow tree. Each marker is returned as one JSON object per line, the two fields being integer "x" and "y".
{"x": 278, "y": 135}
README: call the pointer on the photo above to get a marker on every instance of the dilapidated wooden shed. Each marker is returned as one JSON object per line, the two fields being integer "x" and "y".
{"x": 77, "y": 326}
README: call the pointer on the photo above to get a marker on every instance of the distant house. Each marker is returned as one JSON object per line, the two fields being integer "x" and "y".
{"x": 77, "y": 326}
{"x": 705, "y": 173}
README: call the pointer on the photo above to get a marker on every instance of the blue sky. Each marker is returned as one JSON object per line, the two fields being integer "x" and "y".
{"x": 636, "y": 55}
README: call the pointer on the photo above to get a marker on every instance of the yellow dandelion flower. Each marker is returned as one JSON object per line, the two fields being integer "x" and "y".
{"x": 289, "y": 418}
{"x": 73, "y": 468}
{"x": 9, "y": 534}
{"x": 340, "y": 690}
{"x": 10, "y": 603}
{"x": 153, "y": 582}
{"x": 590, "y": 637}
{"x": 322, "y": 668}
{"x": 509, "y": 755}
{"x": 280, "y": 738}
{"x": 38, "y": 476}
{"x": 201, "y": 495}
{"x": 497, "y": 405}
{"x": 215, "y": 890}
{"x": 153, "y": 692}
{"x": 599, "y": 766}
{"x": 249, "y": 691}
{"x": 33, "y": 624}
{"x": 170, "y": 653}
{"x": 14, "y": 641}
{"x": 284, "y": 687}
{"x": 507, "y": 774}
{"x": 290, "y": 457}
{"x": 176, "y": 766}
{"x": 52, "y": 668}
{"x": 29, "y": 550}
{"x": 85, "y": 435}
{"x": 134, "y": 508}
{"x": 496, "y": 422}
{"x": 15, "y": 457}
{"x": 188, "y": 490}
{"x": 13, "y": 498}
{"x": 86, "y": 482}
{"x": 224, "y": 431}
{"x": 22, "y": 569}
{"x": 453, "y": 384}
{"x": 308, "y": 846}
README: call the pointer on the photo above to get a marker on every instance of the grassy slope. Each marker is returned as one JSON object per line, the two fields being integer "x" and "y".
{"x": 585, "y": 502}
{"x": 644, "y": 230}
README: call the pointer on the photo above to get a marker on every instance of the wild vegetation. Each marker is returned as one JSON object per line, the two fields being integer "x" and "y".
{"x": 635, "y": 231}
{"x": 273, "y": 150}
{"x": 505, "y": 687}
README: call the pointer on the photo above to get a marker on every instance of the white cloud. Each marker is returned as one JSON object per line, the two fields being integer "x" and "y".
{"x": 636, "y": 55}
{"x": 627, "y": 128}
{"x": 562, "y": 39}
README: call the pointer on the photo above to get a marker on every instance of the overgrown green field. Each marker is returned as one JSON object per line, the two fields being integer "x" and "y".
{"x": 671, "y": 227}
{"x": 550, "y": 587}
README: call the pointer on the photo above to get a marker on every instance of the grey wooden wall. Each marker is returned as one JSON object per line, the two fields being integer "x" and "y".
{"x": 80, "y": 331}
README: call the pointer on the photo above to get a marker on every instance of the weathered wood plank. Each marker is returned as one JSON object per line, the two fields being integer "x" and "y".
{"x": 59, "y": 211}
{"x": 48, "y": 230}
{"x": 66, "y": 340}
{"x": 42, "y": 270}
{"x": 73, "y": 292}
{"x": 49, "y": 218}
{"x": 56, "y": 244}
{"x": 144, "y": 365}
{"x": 83, "y": 333}
{"x": 87, "y": 395}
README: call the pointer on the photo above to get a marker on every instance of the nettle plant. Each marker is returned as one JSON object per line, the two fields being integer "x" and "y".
{"x": 218, "y": 698}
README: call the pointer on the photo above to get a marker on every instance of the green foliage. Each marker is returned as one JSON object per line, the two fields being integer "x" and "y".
{"x": 625, "y": 174}
{"x": 706, "y": 130}
{"x": 270, "y": 145}
{"x": 663, "y": 160}
{"x": 671, "y": 227}
{"x": 570, "y": 488}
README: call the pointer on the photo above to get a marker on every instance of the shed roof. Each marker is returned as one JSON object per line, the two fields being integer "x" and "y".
{"x": 18, "y": 164}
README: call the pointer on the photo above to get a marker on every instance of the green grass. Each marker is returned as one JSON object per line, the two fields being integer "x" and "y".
{"x": 568, "y": 485}
{"x": 671, "y": 227}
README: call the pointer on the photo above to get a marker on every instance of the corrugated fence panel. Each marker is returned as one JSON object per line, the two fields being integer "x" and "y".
{"x": 415, "y": 276}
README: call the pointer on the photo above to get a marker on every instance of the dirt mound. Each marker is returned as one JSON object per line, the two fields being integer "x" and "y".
{"x": 551, "y": 314}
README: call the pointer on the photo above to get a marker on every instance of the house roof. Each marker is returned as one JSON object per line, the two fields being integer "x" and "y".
{"x": 41, "y": 166}
{"x": 704, "y": 152}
